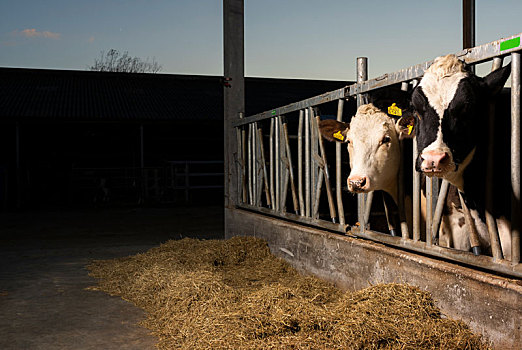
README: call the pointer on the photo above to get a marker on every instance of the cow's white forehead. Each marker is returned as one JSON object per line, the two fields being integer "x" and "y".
{"x": 441, "y": 80}
{"x": 369, "y": 121}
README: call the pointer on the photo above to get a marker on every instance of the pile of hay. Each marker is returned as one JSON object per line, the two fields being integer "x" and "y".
{"x": 235, "y": 294}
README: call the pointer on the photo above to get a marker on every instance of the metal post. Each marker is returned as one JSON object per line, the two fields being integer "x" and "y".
{"x": 491, "y": 223}
{"x": 272, "y": 189}
{"x": 277, "y": 164}
{"x": 300, "y": 163}
{"x": 515, "y": 158}
{"x": 249, "y": 147}
{"x": 429, "y": 209}
{"x": 234, "y": 93}
{"x": 263, "y": 162}
{"x": 416, "y": 194}
{"x": 362, "y": 75}
{"x": 468, "y": 25}
{"x": 307, "y": 161}
{"x": 338, "y": 164}
{"x": 290, "y": 168}
{"x": 437, "y": 216}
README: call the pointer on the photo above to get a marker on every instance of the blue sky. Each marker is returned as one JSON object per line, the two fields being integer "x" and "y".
{"x": 283, "y": 38}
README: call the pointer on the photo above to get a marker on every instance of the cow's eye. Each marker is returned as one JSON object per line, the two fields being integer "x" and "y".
{"x": 386, "y": 139}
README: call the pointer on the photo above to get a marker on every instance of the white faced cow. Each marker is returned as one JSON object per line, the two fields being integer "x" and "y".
{"x": 373, "y": 147}
{"x": 451, "y": 105}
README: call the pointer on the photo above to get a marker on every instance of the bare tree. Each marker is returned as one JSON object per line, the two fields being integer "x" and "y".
{"x": 114, "y": 61}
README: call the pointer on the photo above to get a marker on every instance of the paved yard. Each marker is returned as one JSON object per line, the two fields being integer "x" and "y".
{"x": 43, "y": 301}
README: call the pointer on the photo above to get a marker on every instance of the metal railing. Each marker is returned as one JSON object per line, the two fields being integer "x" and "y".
{"x": 283, "y": 166}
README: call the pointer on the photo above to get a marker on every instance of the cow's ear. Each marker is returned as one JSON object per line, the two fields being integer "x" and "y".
{"x": 333, "y": 130}
{"x": 495, "y": 80}
{"x": 405, "y": 127}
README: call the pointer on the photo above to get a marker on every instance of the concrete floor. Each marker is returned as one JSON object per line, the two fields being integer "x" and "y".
{"x": 43, "y": 301}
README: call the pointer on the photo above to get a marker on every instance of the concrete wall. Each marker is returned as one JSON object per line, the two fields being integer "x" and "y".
{"x": 490, "y": 304}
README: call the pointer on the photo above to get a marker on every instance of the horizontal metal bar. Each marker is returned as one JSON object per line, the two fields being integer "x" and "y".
{"x": 297, "y": 218}
{"x": 293, "y": 107}
{"x": 482, "y": 261}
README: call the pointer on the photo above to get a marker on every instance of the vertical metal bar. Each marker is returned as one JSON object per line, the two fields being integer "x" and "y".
{"x": 317, "y": 193}
{"x": 402, "y": 211}
{"x": 243, "y": 164}
{"x": 416, "y": 194}
{"x": 314, "y": 169}
{"x": 239, "y": 168}
{"x": 473, "y": 235}
{"x": 367, "y": 206}
{"x": 307, "y": 161}
{"x": 362, "y": 75}
{"x": 429, "y": 209}
{"x": 515, "y": 158}
{"x": 277, "y": 150}
{"x": 272, "y": 194}
{"x": 468, "y": 25}
{"x": 254, "y": 163}
{"x": 249, "y": 146}
{"x": 437, "y": 216}
{"x": 283, "y": 167}
{"x": 300, "y": 163}
{"x": 491, "y": 223}
{"x": 263, "y": 162}
{"x": 338, "y": 179}
{"x": 290, "y": 167}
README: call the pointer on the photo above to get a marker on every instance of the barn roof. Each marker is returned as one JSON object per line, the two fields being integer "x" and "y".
{"x": 38, "y": 94}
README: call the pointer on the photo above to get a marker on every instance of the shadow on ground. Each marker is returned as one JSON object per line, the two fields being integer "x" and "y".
{"x": 43, "y": 301}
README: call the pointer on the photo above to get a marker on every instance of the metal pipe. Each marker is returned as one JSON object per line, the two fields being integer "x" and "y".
{"x": 263, "y": 161}
{"x": 416, "y": 194}
{"x": 317, "y": 193}
{"x": 283, "y": 167}
{"x": 300, "y": 163}
{"x": 367, "y": 201}
{"x": 473, "y": 235}
{"x": 243, "y": 164}
{"x": 338, "y": 165}
{"x": 515, "y": 158}
{"x": 437, "y": 216}
{"x": 429, "y": 209}
{"x": 307, "y": 162}
{"x": 491, "y": 223}
{"x": 249, "y": 146}
{"x": 314, "y": 169}
{"x": 362, "y": 75}
{"x": 254, "y": 163}
{"x": 272, "y": 194}
{"x": 402, "y": 211}
{"x": 290, "y": 168}
{"x": 277, "y": 163}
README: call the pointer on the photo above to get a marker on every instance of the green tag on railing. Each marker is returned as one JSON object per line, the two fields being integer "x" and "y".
{"x": 274, "y": 112}
{"x": 510, "y": 44}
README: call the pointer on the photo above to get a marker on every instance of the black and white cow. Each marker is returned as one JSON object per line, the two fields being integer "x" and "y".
{"x": 451, "y": 126}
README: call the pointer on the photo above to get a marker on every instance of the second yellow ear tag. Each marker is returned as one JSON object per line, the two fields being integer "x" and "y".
{"x": 410, "y": 129}
{"x": 394, "y": 110}
{"x": 339, "y": 136}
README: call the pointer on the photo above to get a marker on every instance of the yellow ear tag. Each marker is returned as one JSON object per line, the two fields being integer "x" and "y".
{"x": 410, "y": 129}
{"x": 394, "y": 110}
{"x": 339, "y": 136}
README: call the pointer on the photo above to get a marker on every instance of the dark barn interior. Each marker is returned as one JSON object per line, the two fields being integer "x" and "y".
{"x": 84, "y": 139}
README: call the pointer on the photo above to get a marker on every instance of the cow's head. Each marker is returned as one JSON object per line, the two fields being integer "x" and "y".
{"x": 451, "y": 108}
{"x": 373, "y": 147}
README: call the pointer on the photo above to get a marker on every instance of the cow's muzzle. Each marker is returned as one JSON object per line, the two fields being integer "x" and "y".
{"x": 435, "y": 162}
{"x": 358, "y": 184}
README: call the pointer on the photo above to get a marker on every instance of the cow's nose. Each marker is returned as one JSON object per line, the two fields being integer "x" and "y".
{"x": 434, "y": 161}
{"x": 358, "y": 183}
